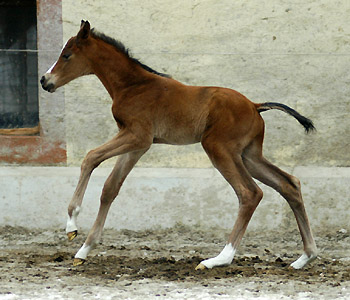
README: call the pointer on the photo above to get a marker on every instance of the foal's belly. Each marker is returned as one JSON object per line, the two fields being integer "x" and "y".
{"x": 178, "y": 135}
{"x": 176, "y": 140}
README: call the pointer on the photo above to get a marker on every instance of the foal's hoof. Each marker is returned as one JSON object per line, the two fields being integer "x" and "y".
{"x": 78, "y": 262}
{"x": 72, "y": 235}
{"x": 200, "y": 267}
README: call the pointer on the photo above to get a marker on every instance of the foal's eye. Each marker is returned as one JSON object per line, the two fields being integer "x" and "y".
{"x": 66, "y": 56}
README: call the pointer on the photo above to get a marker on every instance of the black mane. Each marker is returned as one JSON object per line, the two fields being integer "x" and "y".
{"x": 121, "y": 48}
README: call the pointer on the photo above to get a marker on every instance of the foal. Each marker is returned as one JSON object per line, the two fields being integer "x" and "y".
{"x": 150, "y": 107}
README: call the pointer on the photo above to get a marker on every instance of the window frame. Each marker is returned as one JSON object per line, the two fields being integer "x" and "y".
{"x": 22, "y": 6}
{"x": 48, "y": 147}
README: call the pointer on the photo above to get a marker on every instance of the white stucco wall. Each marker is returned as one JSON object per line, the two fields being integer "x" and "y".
{"x": 294, "y": 52}
{"x": 37, "y": 197}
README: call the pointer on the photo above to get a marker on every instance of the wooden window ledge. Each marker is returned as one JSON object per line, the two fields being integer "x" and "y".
{"x": 21, "y": 131}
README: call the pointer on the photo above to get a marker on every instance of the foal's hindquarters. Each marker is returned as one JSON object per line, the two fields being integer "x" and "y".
{"x": 237, "y": 154}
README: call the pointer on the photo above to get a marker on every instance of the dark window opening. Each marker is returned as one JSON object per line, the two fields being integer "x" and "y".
{"x": 18, "y": 64}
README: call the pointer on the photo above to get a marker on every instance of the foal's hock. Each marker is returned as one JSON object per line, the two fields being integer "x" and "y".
{"x": 150, "y": 107}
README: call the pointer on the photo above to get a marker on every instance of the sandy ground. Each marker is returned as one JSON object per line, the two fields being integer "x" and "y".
{"x": 159, "y": 264}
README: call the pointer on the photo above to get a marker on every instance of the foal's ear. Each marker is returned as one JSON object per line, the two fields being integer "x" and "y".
{"x": 84, "y": 31}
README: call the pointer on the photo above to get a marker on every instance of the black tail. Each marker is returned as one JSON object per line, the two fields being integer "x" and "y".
{"x": 307, "y": 123}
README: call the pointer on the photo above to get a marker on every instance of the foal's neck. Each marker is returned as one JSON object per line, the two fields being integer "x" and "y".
{"x": 115, "y": 70}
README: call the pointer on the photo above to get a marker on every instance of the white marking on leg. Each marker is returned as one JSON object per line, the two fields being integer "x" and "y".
{"x": 72, "y": 221}
{"x": 303, "y": 261}
{"x": 83, "y": 252}
{"x": 223, "y": 259}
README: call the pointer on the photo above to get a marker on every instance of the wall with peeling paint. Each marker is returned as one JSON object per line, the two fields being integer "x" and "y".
{"x": 297, "y": 53}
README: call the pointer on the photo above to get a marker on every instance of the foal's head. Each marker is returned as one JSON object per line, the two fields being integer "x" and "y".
{"x": 72, "y": 62}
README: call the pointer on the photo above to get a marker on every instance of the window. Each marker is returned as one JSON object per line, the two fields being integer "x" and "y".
{"x": 37, "y": 43}
{"x": 18, "y": 67}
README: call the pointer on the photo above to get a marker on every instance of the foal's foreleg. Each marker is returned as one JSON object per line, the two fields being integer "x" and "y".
{"x": 75, "y": 204}
{"x": 124, "y": 142}
{"x": 124, "y": 165}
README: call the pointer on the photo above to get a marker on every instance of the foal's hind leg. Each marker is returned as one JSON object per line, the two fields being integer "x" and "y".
{"x": 230, "y": 165}
{"x": 111, "y": 188}
{"x": 289, "y": 187}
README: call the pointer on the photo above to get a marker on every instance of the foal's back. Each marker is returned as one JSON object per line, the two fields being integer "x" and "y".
{"x": 184, "y": 114}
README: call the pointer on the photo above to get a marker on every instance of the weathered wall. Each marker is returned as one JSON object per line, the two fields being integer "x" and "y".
{"x": 295, "y": 52}
{"x": 161, "y": 198}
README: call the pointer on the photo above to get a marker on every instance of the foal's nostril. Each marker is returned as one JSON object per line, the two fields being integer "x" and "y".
{"x": 42, "y": 80}
{"x": 50, "y": 88}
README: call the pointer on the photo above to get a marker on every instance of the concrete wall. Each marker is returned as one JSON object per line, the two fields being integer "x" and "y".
{"x": 295, "y": 52}
{"x": 159, "y": 198}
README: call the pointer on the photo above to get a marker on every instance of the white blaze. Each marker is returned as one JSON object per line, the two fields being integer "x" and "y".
{"x": 50, "y": 69}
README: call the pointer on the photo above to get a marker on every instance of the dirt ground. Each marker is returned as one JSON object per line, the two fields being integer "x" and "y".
{"x": 159, "y": 264}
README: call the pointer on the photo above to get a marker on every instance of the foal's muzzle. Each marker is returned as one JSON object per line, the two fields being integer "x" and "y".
{"x": 46, "y": 85}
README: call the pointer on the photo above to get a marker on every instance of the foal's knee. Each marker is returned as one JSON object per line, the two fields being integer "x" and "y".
{"x": 90, "y": 161}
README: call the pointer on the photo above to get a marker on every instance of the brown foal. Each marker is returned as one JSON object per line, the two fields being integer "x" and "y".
{"x": 150, "y": 107}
